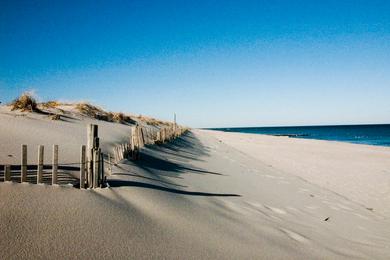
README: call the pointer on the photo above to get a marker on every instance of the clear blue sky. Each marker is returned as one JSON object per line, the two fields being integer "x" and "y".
{"x": 214, "y": 63}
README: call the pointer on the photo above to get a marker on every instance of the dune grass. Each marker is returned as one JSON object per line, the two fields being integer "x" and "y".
{"x": 100, "y": 114}
{"x": 25, "y": 102}
{"x": 151, "y": 121}
{"x": 50, "y": 104}
{"x": 121, "y": 118}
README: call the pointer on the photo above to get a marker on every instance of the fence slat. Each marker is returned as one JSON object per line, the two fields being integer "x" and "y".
{"x": 23, "y": 172}
{"x": 96, "y": 164}
{"x": 82, "y": 167}
{"x": 7, "y": 172}
{"x": 40, "y": 164}
{"x": 92, "y": 142}
{"x": 109, "y": 164}
{"x": 54, "y": 172}
{"x": 101, "y": 170}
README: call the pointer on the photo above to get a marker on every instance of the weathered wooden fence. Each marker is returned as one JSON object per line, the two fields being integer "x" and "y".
{"x": 91, "y": 165}
{"x": 92, "y": 172}
{"x": 39, "y": 171}
{"x": 141, "y": 136}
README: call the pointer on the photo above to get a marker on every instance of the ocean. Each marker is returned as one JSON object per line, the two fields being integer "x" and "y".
{"x": 359, "y": 134}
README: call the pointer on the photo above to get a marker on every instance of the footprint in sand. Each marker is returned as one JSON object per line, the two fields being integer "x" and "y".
{"x": 295, "y": 236}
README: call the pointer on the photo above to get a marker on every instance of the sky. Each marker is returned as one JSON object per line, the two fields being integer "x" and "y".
{"x": 213, "y": 63}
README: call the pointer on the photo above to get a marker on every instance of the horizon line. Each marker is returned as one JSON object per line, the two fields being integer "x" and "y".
{"x": 319, "y": 125}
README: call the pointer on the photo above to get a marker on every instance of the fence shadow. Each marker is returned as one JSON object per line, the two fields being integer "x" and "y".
{"x": 187, "y": 147}
{"x": 67, "y": 175}
{"x": 119, "y": 183}
{"x": 167, "y": 159}
{"x": 159, "y": 163}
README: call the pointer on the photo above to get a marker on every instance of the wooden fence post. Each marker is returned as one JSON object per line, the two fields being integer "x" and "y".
{"x": 116, "y": 154}
{"x": 101, "y": 170}
{"x": 7, "y": 172}
{"x": 132, "y": 144}
{"x": 96, "y": 166}
{"x": 23, "y": 165}
{"x": 54, "y": 177}
{"x": 92, "y": 142}
{"x": 158, "y": 139}
{"x": 82, "y": 167}
{"x": 40, "y": 164}
{"x": 141, "y": 137}
{"x": 109, "y": 164}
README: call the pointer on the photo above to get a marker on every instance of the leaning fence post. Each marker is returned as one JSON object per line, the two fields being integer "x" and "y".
{"x": 141, "y": 137}
{"x": 7, "y": 172}
{"x": 82, "y": 167}
{"x": 55, "y": 165}
{"x": 23, "y": 165}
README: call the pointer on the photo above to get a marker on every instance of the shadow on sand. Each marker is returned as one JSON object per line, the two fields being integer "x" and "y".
{"x": 160, "y": 162}
{"x": 67, "y": 175}
{"x": 119, "y": 183}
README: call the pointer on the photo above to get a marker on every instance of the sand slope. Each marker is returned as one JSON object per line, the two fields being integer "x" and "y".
{"x": 198, "y": 197}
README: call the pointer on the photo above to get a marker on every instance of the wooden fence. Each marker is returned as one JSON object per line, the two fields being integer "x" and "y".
{"x": 92, "y": 170}
{"x": 140, "y": 137}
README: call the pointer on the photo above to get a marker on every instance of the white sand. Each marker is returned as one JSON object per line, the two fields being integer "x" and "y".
{"x": 360, "y": 173}
{"x": 202, "y": 196}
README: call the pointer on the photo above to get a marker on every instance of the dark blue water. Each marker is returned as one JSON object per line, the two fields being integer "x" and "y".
{"x": 359, "y": 134}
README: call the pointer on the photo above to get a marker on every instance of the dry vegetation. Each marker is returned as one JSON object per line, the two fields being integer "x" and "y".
{"x": 55, "y": 117}
{"x": 26, "y": 102}
{"x": 50, "y": 104}
{"x": 90, "y": 110}
{"x": 100, "y": 114}
{"x": 122, "y": 118}
{"x": 152, "y": 121}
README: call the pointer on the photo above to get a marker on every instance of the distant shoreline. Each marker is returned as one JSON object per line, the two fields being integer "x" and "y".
{"x": 368, "y": 134}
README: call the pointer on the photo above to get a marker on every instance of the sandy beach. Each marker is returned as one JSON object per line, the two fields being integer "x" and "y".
{"x": 195, "y": 130}
{"x": 206, "y": 195}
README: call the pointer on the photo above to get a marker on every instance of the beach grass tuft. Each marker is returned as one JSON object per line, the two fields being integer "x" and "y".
{"x": 92, "y": 111}
{"x": 25, "y": 102}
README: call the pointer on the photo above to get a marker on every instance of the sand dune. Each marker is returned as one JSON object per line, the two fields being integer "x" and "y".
{"x": 207, "y": 195}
